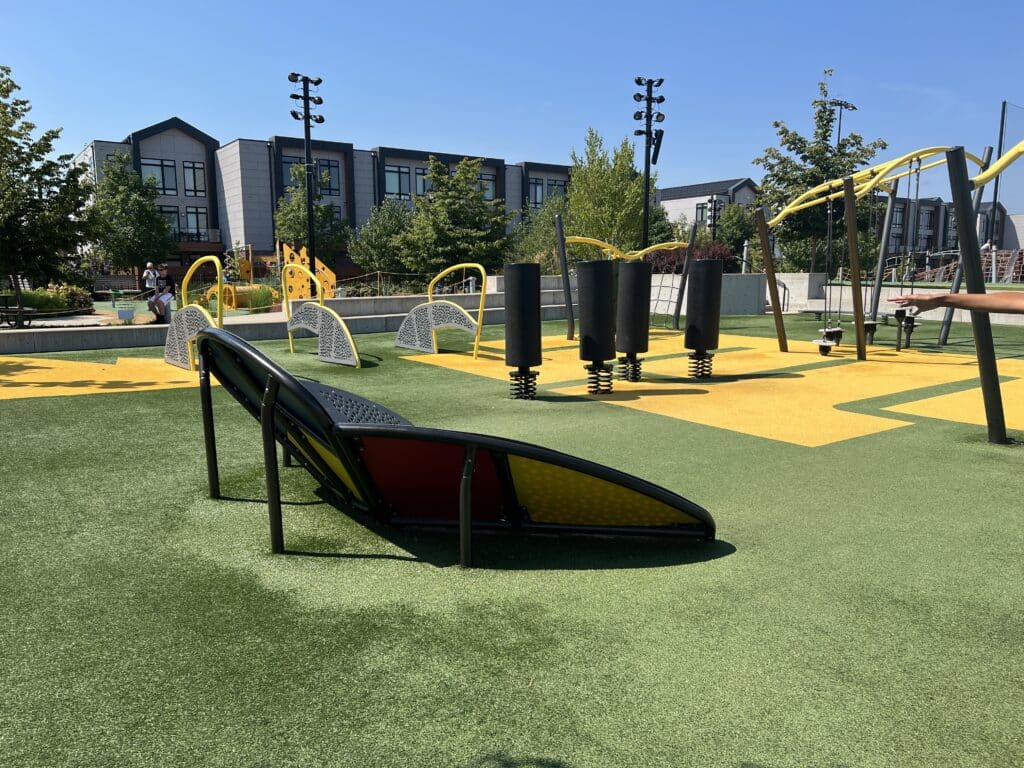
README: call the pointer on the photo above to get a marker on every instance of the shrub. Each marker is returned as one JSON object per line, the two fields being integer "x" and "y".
{"x": 261, "y": 299}
{"x": 43, "y": 300}
{"x": 74, "y": 296}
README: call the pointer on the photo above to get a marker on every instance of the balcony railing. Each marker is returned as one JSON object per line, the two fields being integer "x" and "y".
{"x": 196, "y": 235}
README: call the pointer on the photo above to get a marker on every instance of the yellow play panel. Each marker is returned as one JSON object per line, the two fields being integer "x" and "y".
{"x": 24, "y": 377}
{"x": 753, "y": 389}
{"x": 968, "y": 407}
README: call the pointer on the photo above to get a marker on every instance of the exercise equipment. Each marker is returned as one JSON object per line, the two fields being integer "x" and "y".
{"x": 522, "y": 328}
{"x": 419, "y": 328}
{"x": 596, "y": 281}
{"x": 334, "y": 342}
{"x": 703, "y": 314}
{"x": 190, "y": 319}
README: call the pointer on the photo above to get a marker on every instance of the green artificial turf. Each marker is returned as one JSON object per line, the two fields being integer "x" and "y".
{"x": 862, "y": 607}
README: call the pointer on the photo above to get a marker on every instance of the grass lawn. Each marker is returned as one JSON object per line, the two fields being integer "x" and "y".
{"x": 862, "y": 607}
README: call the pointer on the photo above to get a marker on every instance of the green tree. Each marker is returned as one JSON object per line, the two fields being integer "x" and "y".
{"x": 128, "y": 230}
{"x": 455, "y": 223}
{"x": 375, "y": 247}
{"x": 42, "y": 199}
{"x": 661, "y": 229}
{"x": 801, "y": 163}
{"x": 534, "y": 237}
{"x": 331, "y": 230}
{"x": 606, "y": 194}
{"x": 735, "y": 226}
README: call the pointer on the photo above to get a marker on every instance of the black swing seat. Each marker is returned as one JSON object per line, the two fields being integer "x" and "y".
{"x": 370, "y": 460}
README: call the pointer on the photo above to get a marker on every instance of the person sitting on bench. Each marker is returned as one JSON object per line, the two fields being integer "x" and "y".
{"x": 160, "y": 303}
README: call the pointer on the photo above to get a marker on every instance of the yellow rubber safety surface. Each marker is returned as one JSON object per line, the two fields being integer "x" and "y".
{"x": 968, "y": 407}
{"x": 754, "y": 389}
{"x": 24, "y": 377}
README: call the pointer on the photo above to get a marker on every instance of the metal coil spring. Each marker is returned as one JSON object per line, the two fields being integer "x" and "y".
{"x": 630, "y": 368}
{"x": 700, "y": 365}
{"x": 523, "y": 384}
{"x": 599, "y": 379}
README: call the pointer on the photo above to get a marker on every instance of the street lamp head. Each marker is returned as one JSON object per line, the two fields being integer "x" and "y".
{"x": 638, "y": 115}
{"x": 640, "y": 81}
{"x": 317, "y": 118}
{"x": 639, "y": 132}
{"x": 638, "y": 97}
{"x": 657, "y": 83}
{"x": 659, "y": 99}
{"x": 316, "y": 81}
{"x": 318, "y": 100}
{"x": 294, "y": 77}
{"x": 659, "y": 117}
{"x": 295, "y": 95}
{"x": 297, "y": 115}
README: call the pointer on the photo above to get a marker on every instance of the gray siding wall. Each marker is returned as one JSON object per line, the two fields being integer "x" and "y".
{"x": 243, "y": 175}
{"x": 175, "y": 145}
{"x": 362, "y": 168}
{"x": 95, "y": 154}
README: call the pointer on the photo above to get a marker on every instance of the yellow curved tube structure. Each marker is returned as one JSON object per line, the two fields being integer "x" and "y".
{"x": 999, "y": 166}
{"x": 615, "y": 253}
{"x": 296, "y": 267}
{"x": 220, "y": 285}
{"x": 483, "y": 299}
{"x": 867, "y": 179}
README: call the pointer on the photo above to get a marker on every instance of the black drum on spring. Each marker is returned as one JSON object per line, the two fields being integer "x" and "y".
{"x": 522, "y": 315}
{"x": 703, "y": 304}
{"x": 596, "y": 282}
{"x": 632, "y": 322}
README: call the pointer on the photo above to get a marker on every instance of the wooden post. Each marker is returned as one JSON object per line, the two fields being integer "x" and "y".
{"x": 850, "y": 213}
{"x": 761, "y": 218}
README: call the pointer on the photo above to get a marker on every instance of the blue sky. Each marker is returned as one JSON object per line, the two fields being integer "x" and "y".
{"x": 524, "y": 80}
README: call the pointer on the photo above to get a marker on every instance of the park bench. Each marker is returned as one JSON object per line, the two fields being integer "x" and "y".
{"x": 15, "y": 317}
{"x": 371, "y": 462}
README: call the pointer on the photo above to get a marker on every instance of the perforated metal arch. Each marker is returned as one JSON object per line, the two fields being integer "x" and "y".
{"x": 186, "y": 323}
{"x": 334, "y": 344}
{"x": 417, "y": 329}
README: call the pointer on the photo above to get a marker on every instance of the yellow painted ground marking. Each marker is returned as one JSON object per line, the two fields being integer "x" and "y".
{"x": 750, "y": 392}
{"x": 25, "y": 377}
{"x": 968, "y": 407}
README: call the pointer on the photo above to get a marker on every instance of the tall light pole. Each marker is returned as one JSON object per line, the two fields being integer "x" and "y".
{"x": 652, "y": 139}
{"x": 307, "y": 118}
{"x": 834, "y": 103}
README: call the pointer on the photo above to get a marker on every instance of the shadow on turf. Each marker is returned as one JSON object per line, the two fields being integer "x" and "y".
{"x": 508, "y": 550}
{"x": 502, "y": 760}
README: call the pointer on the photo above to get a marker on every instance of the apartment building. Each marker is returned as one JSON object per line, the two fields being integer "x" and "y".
{"x": 936, "y": 226}
{"x": 692, "y": 200}
{"x": 215, "y": 197}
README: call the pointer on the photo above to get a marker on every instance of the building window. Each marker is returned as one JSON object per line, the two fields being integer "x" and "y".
{"x": 332, "y": 170}
{"x": 162, "y": 172}
{"x": 170, "y": 213}
{"x": 536, "y": 193}
{"x": 423, "y": 182}
{"x": 924, "y": 219}
{"x": 396, "y": 182}
{"x": 487, "y": 185}
{"x": 196, "y": 223}
{"x": 287, "y": 161}
{"x": 925, "y": 244}
{"x": 195, "y": 178}
{"x": 897, "y": 216}
{"x": 701, "y": 213}
{"x": 338, "y": 213}
{"x": 895, "y": 244}
{"x": 556, "y": 188}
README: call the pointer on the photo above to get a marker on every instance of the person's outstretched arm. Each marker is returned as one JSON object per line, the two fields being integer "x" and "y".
{"x": 1001, "y": 301}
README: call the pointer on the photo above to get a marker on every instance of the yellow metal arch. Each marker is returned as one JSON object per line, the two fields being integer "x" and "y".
{"x": 999, "y": 166}
{"x": 296, "y": 267}
{"x": 220, "y": 286}
{"x": 615, "y": 253}
{"x": 483, "y": 299}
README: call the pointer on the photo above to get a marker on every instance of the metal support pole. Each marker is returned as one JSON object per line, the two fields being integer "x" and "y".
{"x": 761, "y": 219}
{"x": 310, "y": 177}
{"x": 209, "y": 436}
{"x": 947, "y": 316}
{"x": 690, "y": 245}
{"x": 466, "y": 509}
{"x": 647, "y": 164}
{"x": 850, "y": 212}
{"x": 270, "y": 465}
{"x": 566, "y": 285}
{"x": 993, "y": 235}
{"x": 970, "y": 252}
{"x": 883, "y": 251}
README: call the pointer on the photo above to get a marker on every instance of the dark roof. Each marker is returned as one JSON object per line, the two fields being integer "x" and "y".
{"x": 174, "y": 122}
{"x": 703, "y": 190}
